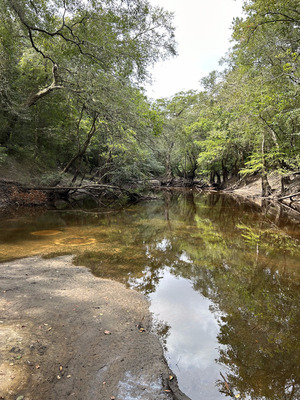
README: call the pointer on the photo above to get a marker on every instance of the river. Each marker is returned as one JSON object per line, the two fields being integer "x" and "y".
{"x": 221, "y": 274}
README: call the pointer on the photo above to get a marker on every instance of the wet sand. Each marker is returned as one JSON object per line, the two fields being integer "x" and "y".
{"x": 65, "y": 334}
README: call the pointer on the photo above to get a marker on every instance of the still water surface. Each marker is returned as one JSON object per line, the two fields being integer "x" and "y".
{"x": 221, "y": 274}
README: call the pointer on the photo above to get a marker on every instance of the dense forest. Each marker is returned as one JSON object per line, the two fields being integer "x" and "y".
{"x": 72, "y": 98}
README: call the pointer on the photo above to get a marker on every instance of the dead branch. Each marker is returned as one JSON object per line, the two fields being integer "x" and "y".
{"x": 73, "y": 188}
{"x": 290, "y": 196}
{"x": 228, "y": 388}
{"x": 94, "y": 191}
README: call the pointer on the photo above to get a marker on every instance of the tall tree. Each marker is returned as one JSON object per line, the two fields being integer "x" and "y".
{"x": 117, "y": 38}
{"x": 72, "y": 71}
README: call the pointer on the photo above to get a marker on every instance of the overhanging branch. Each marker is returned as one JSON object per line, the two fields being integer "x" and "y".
{"x": 33, "y": 99}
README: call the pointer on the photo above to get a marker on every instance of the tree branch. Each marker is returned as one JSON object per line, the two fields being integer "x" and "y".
{"x": 37, "y": 96}
{"x": 273, "y": 133}
{"x": 85, "y": 145}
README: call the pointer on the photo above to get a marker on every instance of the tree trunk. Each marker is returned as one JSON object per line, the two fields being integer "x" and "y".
{"x": 169, "y": 175}
{"x": 85, "y": 145}
{"x": 224, "y": 173}
{"x": 6, "y": 132}
{"x": 218, "y": 178}
{"x": 266, "y": 189}
{"x": 191, "y": 174}
{"x": 285, "y": 180}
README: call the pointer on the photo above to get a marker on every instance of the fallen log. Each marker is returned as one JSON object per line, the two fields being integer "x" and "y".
{"x": 96, "y": 191}
{"x": 58, "y": 188}
{"x": 290, "y": 196}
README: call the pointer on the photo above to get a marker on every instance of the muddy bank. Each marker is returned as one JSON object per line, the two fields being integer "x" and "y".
{"x": 66, "y": 334}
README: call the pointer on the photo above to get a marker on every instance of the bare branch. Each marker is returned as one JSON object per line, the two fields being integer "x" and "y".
{"x": 76, "y": 41}
{"x": 288, "y": 18}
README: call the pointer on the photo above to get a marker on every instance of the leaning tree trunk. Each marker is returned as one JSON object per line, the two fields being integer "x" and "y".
{"x": 85, "y": 145}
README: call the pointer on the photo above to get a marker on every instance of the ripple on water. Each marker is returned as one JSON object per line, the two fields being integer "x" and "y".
{"x": 75, "y": 241}
{"x": 46, "y": 232}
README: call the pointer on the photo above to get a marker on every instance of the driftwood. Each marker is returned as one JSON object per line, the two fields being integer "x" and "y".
{"x": 95, "y": 191}
{"x": 290, "y": 196}
{"x": 72, "y": 188}
{"x": 103, "y": 194}
{"x": 290, "y": 207}
{"x": 292, "y": 204}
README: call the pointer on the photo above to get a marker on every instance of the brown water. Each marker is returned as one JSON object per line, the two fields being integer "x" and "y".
{"x": 222, "y": 276}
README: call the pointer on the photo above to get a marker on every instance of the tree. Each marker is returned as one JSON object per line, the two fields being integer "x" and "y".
{"x": 267, "y": 54}
{"x": 175, "y": 145}
{"x": 117, "y": 38}
{"x": 250, "y": 122}
{"x": 72, "y": 72}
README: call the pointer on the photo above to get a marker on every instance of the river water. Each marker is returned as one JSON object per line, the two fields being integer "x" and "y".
{"x": 222, "y": 276}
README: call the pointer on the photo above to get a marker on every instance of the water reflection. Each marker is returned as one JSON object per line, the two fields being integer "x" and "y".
{"x": 191, "y": 345}
{"x": 223, "y": 277}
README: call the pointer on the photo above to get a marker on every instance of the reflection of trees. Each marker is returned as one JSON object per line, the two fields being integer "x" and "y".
{"x": 260, "y": 331}
{"x": 234, "y": 256}
{"x": 162, "y": 329}
{"x": 242, "y": 262}
{"x": 135, "y": 254}
{"x": 245, "y": 274}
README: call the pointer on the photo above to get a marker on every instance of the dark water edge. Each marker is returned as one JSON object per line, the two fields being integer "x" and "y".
{"x": 222, "y": 275}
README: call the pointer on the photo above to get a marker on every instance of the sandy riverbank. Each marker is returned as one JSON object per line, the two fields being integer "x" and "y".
{"x": 65, "y": 334}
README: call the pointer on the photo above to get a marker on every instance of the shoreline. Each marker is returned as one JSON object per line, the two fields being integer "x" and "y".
{"x": 67, "y": 334}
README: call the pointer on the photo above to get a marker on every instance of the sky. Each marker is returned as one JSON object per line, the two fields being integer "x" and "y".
{"x": 203, "y": 35}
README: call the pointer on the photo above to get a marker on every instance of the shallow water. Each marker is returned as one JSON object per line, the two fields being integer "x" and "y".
{"x": 222, "y": 276}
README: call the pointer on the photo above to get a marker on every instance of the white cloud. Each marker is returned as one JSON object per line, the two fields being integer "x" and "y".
{"x": 203, "y": 35}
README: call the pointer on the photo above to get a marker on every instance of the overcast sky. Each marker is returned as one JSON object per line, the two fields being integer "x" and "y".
{"x": 203, "y": 35}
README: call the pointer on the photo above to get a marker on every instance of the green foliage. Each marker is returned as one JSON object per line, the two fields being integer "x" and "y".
{"x": 258, "y": 162}
{"x": 50, "y": 178}
{"x": 175, "y": 146}
{"x": 70, "y": 73}
{"x": 70, "y": 92}
{"x": 248, "y": 121}
{"x": 268, "y": 240}
{"x": 3, "y": 155}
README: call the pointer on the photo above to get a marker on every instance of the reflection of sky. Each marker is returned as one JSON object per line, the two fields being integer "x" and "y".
{"x": 163, "y": 244}
{"x": 192, "y": 344}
